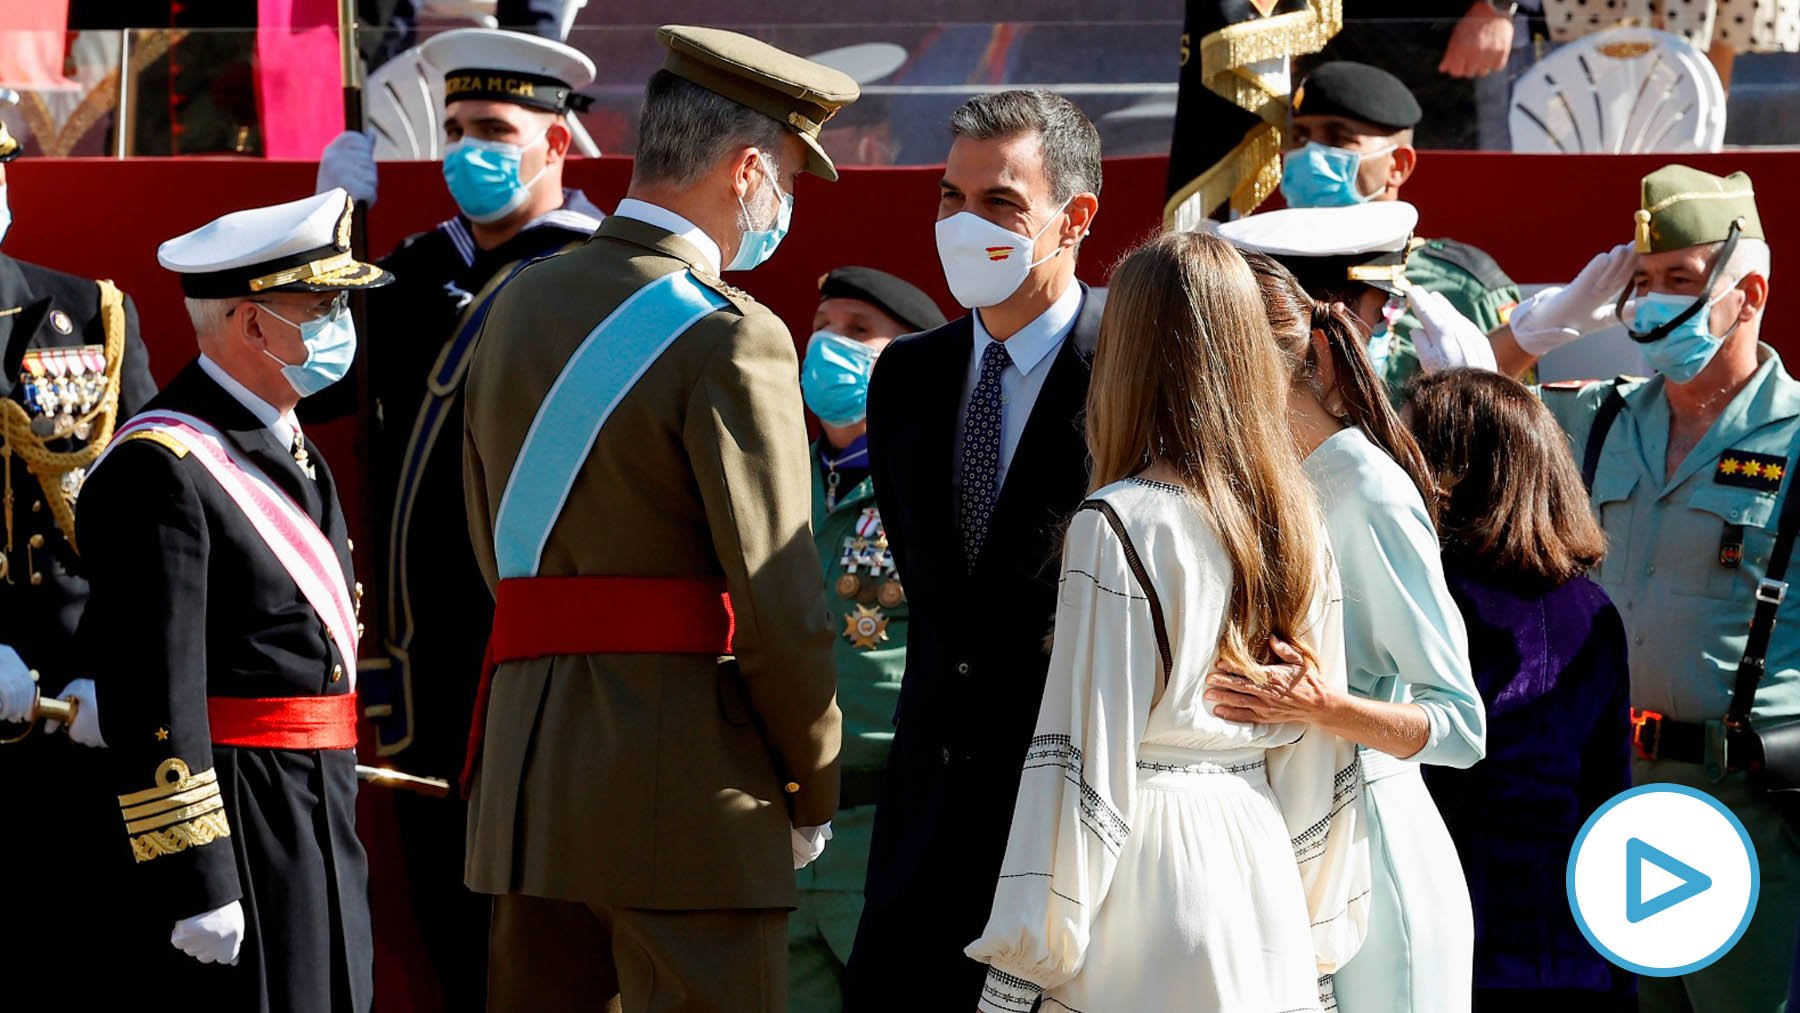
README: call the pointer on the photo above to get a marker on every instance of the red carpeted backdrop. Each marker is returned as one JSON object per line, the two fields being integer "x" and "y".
{"x": 1542, "y": 217}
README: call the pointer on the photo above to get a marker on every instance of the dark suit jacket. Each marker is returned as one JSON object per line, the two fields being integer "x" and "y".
{"x": 187, "y": 602}
{"x": 976, "y": 658}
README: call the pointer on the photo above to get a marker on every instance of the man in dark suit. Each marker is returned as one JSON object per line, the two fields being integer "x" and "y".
{"x": 220, "y": 632}
{"x": 978, "y": 456}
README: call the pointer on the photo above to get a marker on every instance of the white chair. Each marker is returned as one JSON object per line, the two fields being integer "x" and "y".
{"x": 403, "y": 103}
{"x": 1621, "y": 91}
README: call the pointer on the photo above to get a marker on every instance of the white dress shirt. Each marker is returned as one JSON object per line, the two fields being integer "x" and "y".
{"x": 282, "y": 425}
{"x": 663, "y": 218}
{"x": 1032, "y": 349}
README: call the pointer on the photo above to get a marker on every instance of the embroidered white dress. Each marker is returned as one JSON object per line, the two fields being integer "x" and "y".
{"x": 1162, "y": 858}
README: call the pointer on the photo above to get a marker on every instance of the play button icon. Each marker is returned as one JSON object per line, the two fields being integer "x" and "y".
{"x": 1656, "y": 849}
{"x": 1638, "y": 854}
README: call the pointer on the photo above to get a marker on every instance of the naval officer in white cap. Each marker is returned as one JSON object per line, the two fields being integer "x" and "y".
{"x": 507, "y": 96}
{"x": 221, "y": 630}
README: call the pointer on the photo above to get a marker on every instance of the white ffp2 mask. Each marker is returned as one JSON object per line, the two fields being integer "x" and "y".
{"x": 985, "y": 264}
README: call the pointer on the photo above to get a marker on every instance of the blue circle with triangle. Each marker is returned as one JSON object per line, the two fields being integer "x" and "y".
{"x": 1693, "y": 882}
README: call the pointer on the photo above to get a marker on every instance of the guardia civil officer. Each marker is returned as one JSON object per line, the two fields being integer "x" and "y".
{"x": 1351, "y": 141}
{"x": 221, "y": 632}
{"x": 506, "y": 95}
{"x": 1688, "y": 471}
{"x": 661, "y": 740}
{"x": 860, "y": 311}
{"x": 73, "y": 365}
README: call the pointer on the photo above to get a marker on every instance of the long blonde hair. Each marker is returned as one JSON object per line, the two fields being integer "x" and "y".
{"x": 1188, "y": 373}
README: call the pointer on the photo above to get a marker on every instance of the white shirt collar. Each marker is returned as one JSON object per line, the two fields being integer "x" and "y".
{"x": 1039, "y": 338}
{"x": 669, "y": 221}
{"x": 283, "y": 426}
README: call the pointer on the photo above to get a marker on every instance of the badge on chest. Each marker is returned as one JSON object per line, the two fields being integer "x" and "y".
{"x": 62, "y": 387}
{"x": 868, "y": 581}
{"x": 1747, "y": 470}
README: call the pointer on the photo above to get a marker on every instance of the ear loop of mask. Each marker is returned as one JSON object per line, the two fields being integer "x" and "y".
{"x": 1035, "y": 236}
{"x": 1702, "y": 301}
{"x": 1364, "y": 156}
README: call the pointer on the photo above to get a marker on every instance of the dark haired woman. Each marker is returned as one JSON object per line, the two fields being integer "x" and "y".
{"x": 1162, "y": 857}
{"x": 1549, "y": 651}
{"x": 1412, "y": 697}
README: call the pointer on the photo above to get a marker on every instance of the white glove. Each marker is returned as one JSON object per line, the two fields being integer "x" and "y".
{"x": 1558, "y": 315}
{"x": 1446, "y": 339}
{"x": 349, "y": 162}
{"x": 808, "y": 844}
{"x": 18, "y": 690}
{"x": 212, "y": 938}
{"x": 86, "y": 729}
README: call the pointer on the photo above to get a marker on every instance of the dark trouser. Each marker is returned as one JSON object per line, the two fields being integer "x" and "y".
{"x": 547, "y": 956}
{"x": 1547, "y": 1000}
{"x": 453, "y": 922}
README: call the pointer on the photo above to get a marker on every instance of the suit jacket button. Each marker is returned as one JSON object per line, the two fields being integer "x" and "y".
{"x": 962, "y": 668}
{"x": 946, "y": 756}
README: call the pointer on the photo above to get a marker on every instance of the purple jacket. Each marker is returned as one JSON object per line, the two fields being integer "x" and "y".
{"x": 1550, "y": 664}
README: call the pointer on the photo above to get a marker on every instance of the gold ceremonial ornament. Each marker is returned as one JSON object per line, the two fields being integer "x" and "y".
{"x": 866, "y": 628}
{"x": 46, "y": 709}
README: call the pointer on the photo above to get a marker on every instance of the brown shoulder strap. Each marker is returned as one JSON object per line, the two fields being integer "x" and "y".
{"x": 1142, "y": 576}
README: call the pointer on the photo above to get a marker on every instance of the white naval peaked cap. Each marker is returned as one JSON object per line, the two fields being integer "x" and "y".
{"x": 300, "y": 246}
{"x": 502, "y": 66}
{"x": 1327, "y": 247}
{"x": 1370, "y": 227}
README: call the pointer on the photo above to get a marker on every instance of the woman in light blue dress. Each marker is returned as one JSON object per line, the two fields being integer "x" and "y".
{"x": 1413, "y": 698}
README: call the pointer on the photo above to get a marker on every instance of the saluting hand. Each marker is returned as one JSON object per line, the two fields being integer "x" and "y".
{"x": 1293, "y": 691}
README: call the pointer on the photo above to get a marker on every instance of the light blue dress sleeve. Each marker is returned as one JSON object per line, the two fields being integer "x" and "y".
{"x": 1405, "y": 636}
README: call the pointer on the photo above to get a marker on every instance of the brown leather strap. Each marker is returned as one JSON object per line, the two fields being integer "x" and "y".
{"x": 1143, "y": 578}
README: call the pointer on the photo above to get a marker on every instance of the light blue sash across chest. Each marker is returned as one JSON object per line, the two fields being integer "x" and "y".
{"x": 603, "y": 369}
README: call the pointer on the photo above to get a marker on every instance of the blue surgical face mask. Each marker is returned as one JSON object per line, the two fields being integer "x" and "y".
{"x": 1321, "y": 176}
{"x": 330, "y": 349}
{"x": 759, "y": 245}
{"x": 483, "y": 177}
{"x": 834, "y": 378}
{"x": 1681, "y": 354}
{"x": 5, "y": 213}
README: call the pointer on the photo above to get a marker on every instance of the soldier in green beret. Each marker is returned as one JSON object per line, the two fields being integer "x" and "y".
{"x": 1688, "y": 473}
{"x": 860, "y": 311}
{"x": 1351, "y": 141}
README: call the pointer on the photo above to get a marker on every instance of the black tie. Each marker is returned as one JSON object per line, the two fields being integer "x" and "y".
{"x": 981, "y": 452}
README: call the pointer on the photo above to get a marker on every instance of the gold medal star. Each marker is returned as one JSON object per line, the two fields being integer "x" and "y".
{"x": 866, "y": 628}
{"x": 1728, "y": 466}
{"x": 162, "y": 735}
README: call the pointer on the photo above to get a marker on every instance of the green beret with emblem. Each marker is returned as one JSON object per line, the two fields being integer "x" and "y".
{"x": 1684, "y": 207}
{"x": 792, "y": 90}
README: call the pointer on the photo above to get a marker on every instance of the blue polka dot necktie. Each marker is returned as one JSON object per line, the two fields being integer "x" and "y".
{"x": 981, "y": 452}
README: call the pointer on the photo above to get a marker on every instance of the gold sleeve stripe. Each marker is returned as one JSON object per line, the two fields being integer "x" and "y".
{"x": 199, "y": 794}
{"x": 172, "y": 778}
{"x": 180, "y": 837}
{"x": 181, "y": 815}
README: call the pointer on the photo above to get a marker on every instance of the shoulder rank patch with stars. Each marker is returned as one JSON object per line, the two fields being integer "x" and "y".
{"x": 1751, "y": 471}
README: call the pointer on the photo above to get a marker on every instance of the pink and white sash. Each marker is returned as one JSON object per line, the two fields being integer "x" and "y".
{"x": 285, "y": 528}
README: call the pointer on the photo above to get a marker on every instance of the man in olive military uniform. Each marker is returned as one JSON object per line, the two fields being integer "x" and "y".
{"x": 73, "y": 365}
{"x": 860, "y": 311}
{"x": 505, "y": 97}
{"x": 1688, "y": 471}
{"x": 659, "y": 736}
{"x": 1352, "y": 141}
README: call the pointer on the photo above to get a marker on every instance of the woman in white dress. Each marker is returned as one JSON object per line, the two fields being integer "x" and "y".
{"x": 1412, "y": 695}
{"x": 1162, "y": 858}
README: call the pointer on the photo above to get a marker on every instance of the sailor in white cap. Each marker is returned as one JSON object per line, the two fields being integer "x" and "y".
{"x": 506, "y": 98}
{"x": 1357, "y": 255}
{"x": 221, "y": 630}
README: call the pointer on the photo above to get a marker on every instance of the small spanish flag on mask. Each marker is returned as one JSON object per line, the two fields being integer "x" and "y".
{"x": 999, "y": 252}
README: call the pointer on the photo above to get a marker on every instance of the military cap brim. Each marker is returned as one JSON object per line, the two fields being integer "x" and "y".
{"x": 792, "y": 90}
{"x": 1326, "y": 248}
{"x": 896, "y": 297}
{"x": 299, "y": 246}
{"x": 1683, "y": 206}
{"x": 1357, "y": 91}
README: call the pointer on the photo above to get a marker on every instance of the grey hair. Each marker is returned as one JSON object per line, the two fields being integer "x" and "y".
{"x": 1071, "y": 145}
{"x": 1750, "y": 257}
{"x": 208, "y": 315}
{"x": 684, "y": 130}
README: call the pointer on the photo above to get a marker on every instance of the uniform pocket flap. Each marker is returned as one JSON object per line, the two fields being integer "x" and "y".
{"x": 1612, "y": 485}
{"x": 1749, "y": 507}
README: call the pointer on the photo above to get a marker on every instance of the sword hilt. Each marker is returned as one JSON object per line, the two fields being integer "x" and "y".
{"x": 46, "y": 708}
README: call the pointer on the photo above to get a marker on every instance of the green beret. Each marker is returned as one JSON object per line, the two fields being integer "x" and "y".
{"x": 1685, "y": 207}
{"x": 793, "y": 91}
{"x": 1359, "y": 92}
{"x": 899, "y": 299}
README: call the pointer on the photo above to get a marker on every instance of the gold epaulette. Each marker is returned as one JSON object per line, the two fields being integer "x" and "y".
{"x": 169, "y": 443}
{"x": 182, "y": 811}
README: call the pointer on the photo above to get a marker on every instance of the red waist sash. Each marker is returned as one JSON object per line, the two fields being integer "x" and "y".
{"x": 540, "y": 617}
{"x": 298, "y": 722}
